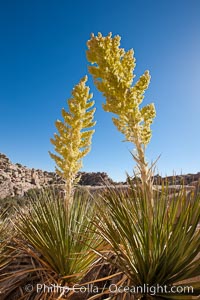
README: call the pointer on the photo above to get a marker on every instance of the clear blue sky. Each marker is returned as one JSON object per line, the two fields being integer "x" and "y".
{"x": 42, "y": 56}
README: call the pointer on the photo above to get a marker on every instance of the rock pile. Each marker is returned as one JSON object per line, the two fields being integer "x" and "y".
{"x": 16, "y": 179}
{"x": 95, "y": 179}
{"x": 188, "y": 179}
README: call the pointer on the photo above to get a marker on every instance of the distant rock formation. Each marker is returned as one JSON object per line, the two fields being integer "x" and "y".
{"x": 188, "y": 179}
{"x": 95, "y": 179}
{"x": 16, "y": 179}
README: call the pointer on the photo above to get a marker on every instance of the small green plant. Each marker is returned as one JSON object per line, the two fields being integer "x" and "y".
{"x": 8, "y": 205}
{"x": 6, "y": 251}
{"x": 73, "y": 140}
{"x": 3, "y": 239}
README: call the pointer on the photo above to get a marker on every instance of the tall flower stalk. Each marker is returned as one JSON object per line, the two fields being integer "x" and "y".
{"x": 73, "y": 140}
{"x": 112, "y": 69}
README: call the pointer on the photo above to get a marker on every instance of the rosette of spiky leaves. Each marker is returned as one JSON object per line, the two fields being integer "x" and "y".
{"x": 59, "y": 244}
{"x": 113, "y": 75}
{"x": 63, "y": 240}
{"x": 163, "y": 252}
{"x": 74, "y": 136}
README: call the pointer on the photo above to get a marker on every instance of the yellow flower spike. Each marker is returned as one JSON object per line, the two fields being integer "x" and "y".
{"x": 112, "y": 70}
{"x": 73, "y": 140}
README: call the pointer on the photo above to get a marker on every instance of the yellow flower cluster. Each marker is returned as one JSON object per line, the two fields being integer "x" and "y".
{"x": 112, "y": 71}
{"x": 73, "y": 140}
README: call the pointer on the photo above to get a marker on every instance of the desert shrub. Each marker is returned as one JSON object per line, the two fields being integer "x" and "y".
{"x": 8, "y": 205}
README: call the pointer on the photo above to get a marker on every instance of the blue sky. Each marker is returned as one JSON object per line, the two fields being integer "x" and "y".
{"x": 42, "y": 56}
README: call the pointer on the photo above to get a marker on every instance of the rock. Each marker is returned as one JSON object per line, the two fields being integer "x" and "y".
{"x": 6, "y": 189}
{"x": 95, "y": 179}
{"x": 16, "y": 179}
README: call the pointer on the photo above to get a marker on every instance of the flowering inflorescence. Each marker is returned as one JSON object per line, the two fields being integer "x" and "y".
{"x": 73, "y": 140}
{"x": 112, "y": 69}
{"x": 113, "y": 76}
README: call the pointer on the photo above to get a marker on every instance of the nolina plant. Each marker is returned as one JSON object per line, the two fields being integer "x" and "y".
{"x": 155, "y": 240}
{"x": 73, "y": 140}
{"x": 55, "y": 235}
{"x": 113, "y": 76}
